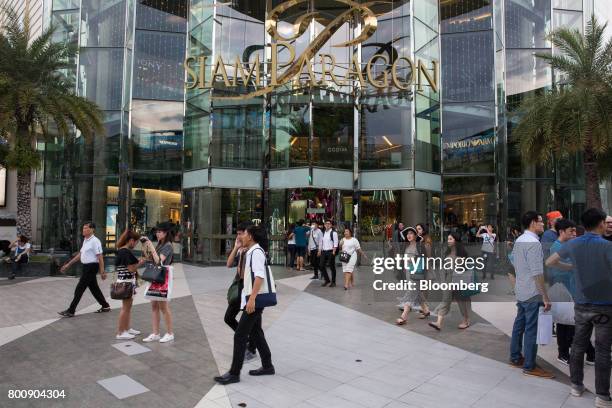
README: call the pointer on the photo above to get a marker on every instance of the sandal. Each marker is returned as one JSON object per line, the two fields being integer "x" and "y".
{"x": 401, "y": 321}
{"x": 435, "y": 326}
{"x": 103, "y": 310}
{"x": 424, "y": 315}
{"x": 463, "y": 326}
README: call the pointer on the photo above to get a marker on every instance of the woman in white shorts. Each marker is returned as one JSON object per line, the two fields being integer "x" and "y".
{"x": 351, "y": 246}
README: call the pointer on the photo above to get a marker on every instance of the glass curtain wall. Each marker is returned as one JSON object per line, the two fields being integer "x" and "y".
{"x": 468, "y": 113}
{"x": 331, "y": 117}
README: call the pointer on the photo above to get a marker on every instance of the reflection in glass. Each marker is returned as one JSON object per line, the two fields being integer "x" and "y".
{"x": 529, "y": 195}
{"x": 162, "y": 15}
{"x": 66, "y": 26}
{"x": 386, "y": 135}
{"x": 467, "y": 70}
{"x": 102, "y": 23}
{"x": 332, "y": 128}
{"x": 101, "y": 75}
{"x": 525, "y": 71}
{"x": 427, "y": 134}
{"x": 527, "y": 23}
{"x": 568, "y": 4}
{"x": 290, "y": 131}
{"x": 469, "y": 200}
{"x": 237, "y": 136}
{"x": 157, "y": 135}
{"x": 469, "y": 138}
{"x": 463, "y": 16}
{"x": 65, "y": 4}
{"x": 158, "y": 67}
{"x": 197, "y": 138}
{"x": 567, "y": 19}
{"x": 155, "y": 198}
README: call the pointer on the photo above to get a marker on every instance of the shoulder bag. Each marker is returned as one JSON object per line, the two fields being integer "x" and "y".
{"x": 263, "y": 299}
{"x": 121, "y": 290}
{"x": 154, "y": 273}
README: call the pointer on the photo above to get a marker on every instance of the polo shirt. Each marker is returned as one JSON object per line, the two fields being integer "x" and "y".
{"x": 591, "y": 256}
{"x": 90, "y": 250}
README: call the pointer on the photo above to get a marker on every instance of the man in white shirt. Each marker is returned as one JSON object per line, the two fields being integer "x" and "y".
{"x": 314, "y": 237}
{"x": 328, "y": 246}
{"x": 530, "y": 295}
{"x": 92, "y": 259}
{"x": 487, "y": 249}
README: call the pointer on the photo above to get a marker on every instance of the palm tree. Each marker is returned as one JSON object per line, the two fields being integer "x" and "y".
{"x": 34, "y": 93}
{"x": 574, "y": 116}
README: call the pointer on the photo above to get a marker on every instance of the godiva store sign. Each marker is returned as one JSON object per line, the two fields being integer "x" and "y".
{"x": 399, "y": 74}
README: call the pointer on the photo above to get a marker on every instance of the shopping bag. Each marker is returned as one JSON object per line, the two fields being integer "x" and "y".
{"x": 545, "y": 324}
{"x": 563, "y": 313}
{"x": 161, "y": 291}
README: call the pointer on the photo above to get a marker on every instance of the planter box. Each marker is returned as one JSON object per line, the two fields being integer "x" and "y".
{"x": 29, "y": 269}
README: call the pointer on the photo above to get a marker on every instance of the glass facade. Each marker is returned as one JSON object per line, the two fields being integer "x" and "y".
{"x": 221, "y": 112}
{"x": 130, "y": 64}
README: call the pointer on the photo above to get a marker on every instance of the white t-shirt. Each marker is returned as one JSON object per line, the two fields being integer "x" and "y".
{"x": 488, "y": 242}
{"x": 256, "y": 258}
{"x": 21, "y": 249}
{"x": 350, "y": 245}
{"x": 90, "y": 250}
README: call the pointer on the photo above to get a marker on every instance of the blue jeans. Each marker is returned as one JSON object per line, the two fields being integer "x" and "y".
{"x": 525, "y": 332}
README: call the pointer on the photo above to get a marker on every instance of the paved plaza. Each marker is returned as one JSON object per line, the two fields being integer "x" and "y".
{"x": 331, "y": 348}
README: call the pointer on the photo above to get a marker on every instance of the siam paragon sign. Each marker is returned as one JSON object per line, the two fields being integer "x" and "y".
{"x": 249, "y": 73}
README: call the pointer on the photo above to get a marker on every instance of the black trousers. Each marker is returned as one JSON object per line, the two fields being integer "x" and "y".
{"x": 88, "y": 280}
{"x": 250, "y": 324}
{"x": 565, "y": 337}
{"x": 314, "y": 261}
{"x": 230, "y": 319}
{"x": 328, "y": 259}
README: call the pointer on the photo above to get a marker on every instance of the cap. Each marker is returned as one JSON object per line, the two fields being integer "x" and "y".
{"x": 552, "y": 215}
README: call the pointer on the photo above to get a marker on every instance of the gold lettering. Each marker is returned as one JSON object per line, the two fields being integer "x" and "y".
{"x": 192, "y": 78}
{"x": 275, "y": 64}
{"x": 395, "y": 78}
{"x": 219, "y": 65}
{"x": 297, "y": 80}
{"x": 240, "y": 71}
{"x": 324, "y": 70}
{"x": 355, "y": 72}
{"x": 202, "y": 77}
{"x": 433, "y": 82}
{"x": 372, "y": 78}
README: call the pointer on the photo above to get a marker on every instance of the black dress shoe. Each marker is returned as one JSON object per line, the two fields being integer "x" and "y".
{"x": 66, "y": 313}
{"x": 263, "y": 371}
{"x": 333, "y": 285}
{"x": 325, "y": 284}
{"x": 227, "y": 378}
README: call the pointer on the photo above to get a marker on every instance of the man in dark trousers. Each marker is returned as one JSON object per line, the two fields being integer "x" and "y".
{"x": 327, "y": 254}
{"x": 91, "y": 257}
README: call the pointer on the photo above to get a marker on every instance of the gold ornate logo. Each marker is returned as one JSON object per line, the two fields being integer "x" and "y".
{"x": 359, "y": 75}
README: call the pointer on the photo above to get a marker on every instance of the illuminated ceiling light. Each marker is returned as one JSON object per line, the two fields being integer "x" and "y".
{"x": 387, "y": 140}
{"x": 293, "y": 140}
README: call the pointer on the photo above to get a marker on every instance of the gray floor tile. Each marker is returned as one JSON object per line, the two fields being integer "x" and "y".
{"x": 131, "y": 348}
{"x": 123, "y": 386}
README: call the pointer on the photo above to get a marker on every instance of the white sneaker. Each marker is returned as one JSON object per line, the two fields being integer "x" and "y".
{"x": 134, "y": 332}
{"x": 167, "y": 337}
{"x": 151, "y": 337}
{"x": 124, "y": 336}
{"x": 602, "y": 403}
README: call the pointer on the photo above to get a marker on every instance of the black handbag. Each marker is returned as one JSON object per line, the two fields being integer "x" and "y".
{"x": 345, "y": 257}
{"x": 154, "y": 273}
{"x": 121, "y": 290}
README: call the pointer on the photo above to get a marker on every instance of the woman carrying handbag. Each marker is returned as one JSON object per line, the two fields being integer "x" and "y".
{"x": 124, "y": 287}
{"x": 160, "y": 293}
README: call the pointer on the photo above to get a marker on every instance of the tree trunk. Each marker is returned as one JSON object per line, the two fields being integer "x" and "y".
{"x": 24, "y": 203}
{"x": 591, "y": 178}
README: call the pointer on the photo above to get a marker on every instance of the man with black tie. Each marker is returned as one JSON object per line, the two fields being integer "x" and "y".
{"x": 328, "y": 246}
